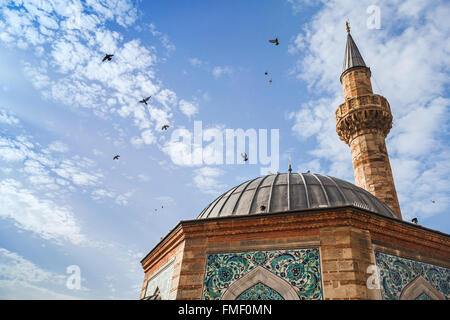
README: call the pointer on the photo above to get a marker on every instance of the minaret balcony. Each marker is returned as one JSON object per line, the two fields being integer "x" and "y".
{"x": 363, "y": 114}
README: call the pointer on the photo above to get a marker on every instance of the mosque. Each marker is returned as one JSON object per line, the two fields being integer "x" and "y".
{"x": 307, "y": 236}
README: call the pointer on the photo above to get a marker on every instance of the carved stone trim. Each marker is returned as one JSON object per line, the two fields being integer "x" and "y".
{"x": 363, "y": 114}
{"x": 419, "y": 286}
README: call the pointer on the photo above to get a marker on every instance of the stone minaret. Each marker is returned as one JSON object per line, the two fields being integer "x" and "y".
{"x": 363, "y": 121}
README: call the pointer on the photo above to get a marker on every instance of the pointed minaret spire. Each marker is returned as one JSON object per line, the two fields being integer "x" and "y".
{"x": 290, "y": 168}
{"x": 363, "y": 121}
{"x": 352, "y": 56}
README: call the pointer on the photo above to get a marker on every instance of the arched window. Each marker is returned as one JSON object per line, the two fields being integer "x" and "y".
{"x": 260, "y": 282}
{"x": 260, "y": 291}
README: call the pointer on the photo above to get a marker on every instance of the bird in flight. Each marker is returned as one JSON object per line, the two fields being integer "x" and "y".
{"x": 266, "y": 73}
{"x": 145, "y": 100}
{"x": 433, "y": 201}
{"x": 108, "y": 57}
{"x": 116, "y": 157}
{"x": 165, "y": 127}
{"x": 270, "y": 81}
{"x": 244, "y": 157}
{"x": 275, "y": 41}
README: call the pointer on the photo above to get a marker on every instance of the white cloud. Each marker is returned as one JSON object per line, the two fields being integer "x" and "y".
{"x": 70, "y": 70}
{"x": 6, "y": 117}
{"x": 58, "y": 146}
{"x": 298, "y": 5}
{"x": 15, "y": 267}
{"x": 123, "y": 198}
{"x": 47, "y": 170}
{"x": 99, "y": 194}
{"x": 195, "y": 62}
{"x": 188, "y": 108}
{"x": 222, "y": 70}
{"x": 143, "y": 177}
{"x": 206, "y": 179}
{"x": 22, "y": 279}
{"x": 424, "y": 124}
{"x": 164, "y": 38}
{"x": 41, "y": 216}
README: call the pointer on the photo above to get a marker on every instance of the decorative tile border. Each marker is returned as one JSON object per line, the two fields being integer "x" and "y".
{"x": 299, "y": 267}
{"x": 396, "y": 273}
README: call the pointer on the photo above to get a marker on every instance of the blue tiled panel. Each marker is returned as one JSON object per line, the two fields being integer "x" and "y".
{"x": 260, "y": 291}
{"x": 396, "y": 273}
{"x": 161, "y": 280}
{"x": 299, "y": 267}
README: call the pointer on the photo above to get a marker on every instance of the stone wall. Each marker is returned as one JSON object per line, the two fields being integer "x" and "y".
{"x": 372, "y": 168}
{"x": 346, "y": 237}
{"x": 356, "y": 82}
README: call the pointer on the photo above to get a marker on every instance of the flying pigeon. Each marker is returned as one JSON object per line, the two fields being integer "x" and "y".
{"x": 145, "y": 100}
{"x": 165, "y": 127}
{"x": 433, "y": 201}
{"x": 108, "y": 57}
{"x": 270, "y": 81}
{"x": 244, "y": 157}
{"x": 116, "y": 157}
{"x": 266, "y": 73}
{"x": 275, "y": 41}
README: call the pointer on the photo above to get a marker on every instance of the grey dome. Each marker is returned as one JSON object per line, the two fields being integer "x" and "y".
{"x": 286, "y": 192}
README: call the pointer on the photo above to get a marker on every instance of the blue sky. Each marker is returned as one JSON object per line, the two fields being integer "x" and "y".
{"x": 64, "y": 115}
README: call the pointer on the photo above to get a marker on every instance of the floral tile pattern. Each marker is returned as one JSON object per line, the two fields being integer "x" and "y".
{"x": 260, "y": 291}
{"x": 396, "y": 273}
{"x": 299, "y": 267}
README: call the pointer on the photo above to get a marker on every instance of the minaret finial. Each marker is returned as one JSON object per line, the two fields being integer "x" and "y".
{"x": 347, "y": 25}
{"x": 290, "y": 168}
